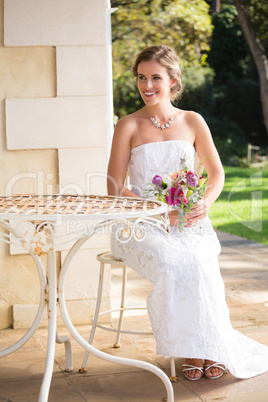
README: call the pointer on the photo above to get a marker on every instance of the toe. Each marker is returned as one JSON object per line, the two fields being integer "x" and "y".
{"x": 194, "y": 373}
{"x": 214, "y": 371}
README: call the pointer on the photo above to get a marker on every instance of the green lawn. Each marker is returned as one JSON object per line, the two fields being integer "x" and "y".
{"x": 242, "y": 208}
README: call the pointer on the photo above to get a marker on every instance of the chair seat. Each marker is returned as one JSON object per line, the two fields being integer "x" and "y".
{"x": 108, "y": 258}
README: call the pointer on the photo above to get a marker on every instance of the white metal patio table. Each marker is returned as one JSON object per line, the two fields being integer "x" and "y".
{"x": 41, "y": 223}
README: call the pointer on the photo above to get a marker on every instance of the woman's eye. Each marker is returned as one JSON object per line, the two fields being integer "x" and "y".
{"x": 141, "y": 78}
{"x": 157, "y": 78}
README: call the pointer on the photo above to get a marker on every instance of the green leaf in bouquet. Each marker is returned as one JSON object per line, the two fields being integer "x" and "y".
{"x": 164, "y": 185}
{"x": 161, "y": 198}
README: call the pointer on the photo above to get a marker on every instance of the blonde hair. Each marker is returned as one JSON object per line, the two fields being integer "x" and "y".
{"x": 167, "y": 58}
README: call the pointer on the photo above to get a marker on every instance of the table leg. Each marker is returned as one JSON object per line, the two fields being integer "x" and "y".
{"x": 68, "y": 351}
{"x": 131, "y": 362}
{"x": 52, "y": 325}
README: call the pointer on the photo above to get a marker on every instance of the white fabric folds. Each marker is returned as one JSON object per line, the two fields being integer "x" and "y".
{"x": 187, "y": 307}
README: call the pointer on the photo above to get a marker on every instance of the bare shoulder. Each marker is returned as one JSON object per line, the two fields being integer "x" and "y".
{"x": 193, "y": 119}
{"x": 203, "y": 140}
{"x": 197, "y": 125}
{"x": 129, "y": 121}
{"x": 127, "y": 124}
{"x": 127, "y": 127}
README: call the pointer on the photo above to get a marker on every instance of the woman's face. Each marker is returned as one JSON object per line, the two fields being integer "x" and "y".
{"x": 154, "y": 83}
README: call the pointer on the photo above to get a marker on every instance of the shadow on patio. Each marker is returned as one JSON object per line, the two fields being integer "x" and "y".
{"x": 244, "y": 269}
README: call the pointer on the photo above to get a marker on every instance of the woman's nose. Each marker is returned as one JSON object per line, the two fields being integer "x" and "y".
{"x": 148, "y": 84}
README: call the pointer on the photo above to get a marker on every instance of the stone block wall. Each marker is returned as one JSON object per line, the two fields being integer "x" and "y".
{"x": 53, "y": 134}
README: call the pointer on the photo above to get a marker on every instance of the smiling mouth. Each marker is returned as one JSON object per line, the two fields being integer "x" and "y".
{"x": 150, "y": 93}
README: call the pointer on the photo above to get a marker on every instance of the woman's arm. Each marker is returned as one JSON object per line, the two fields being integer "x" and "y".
{"x": 205, "y": 148}
{"x": 119, "y": 158}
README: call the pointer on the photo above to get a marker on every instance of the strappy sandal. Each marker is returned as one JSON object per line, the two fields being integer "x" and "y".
{"x": 216, "y": 365}
{"x": 189, "y": 367}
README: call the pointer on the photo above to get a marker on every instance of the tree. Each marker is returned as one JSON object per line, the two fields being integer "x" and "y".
{"x": 236, "y": 84}
{"x": 256, "y": 47}
{"x": 216, "y": 6}
{"x": 229, "y": 55}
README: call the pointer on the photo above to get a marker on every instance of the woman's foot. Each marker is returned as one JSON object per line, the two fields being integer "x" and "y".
{"x": 193, "y": 369}
{"x": 214, "y": 370}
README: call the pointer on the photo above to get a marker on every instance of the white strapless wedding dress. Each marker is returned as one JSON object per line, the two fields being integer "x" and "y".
{"x": 187, "y": 308}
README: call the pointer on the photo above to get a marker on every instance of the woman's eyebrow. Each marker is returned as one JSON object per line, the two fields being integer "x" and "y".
{"x": 153, "y": 75}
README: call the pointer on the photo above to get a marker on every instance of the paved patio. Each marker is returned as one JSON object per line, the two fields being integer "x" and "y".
{"x": 244, "y": 267}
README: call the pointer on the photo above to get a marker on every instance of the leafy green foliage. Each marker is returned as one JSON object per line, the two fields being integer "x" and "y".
{"x": 258, "y": 12}
{"x": 198, "y": 90}
{"x": 229, "y": 139}
{"x": 239, "y": 101}
{"x": 236, "y": 86}
{"x": 219, "y": 74}
{"x": 229, "y": 55}
{"x": 137, "y": 24}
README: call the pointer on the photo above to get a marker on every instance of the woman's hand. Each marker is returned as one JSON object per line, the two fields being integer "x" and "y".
{"x": 198, "y": 211}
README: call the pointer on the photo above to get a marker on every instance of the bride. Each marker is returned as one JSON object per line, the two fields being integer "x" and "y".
{"x": 187, "y": 308}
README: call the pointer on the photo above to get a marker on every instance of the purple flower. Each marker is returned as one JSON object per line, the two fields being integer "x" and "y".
{"x": 192, "y": 180}
{"x": 157, "y": 180}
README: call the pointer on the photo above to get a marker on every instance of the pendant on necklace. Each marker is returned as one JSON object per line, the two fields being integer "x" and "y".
{"x": 163, "y": 126}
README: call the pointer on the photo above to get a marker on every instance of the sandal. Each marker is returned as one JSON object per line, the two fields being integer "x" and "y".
{"x": 216, "y": 365}
{"x": 189, "y": 367}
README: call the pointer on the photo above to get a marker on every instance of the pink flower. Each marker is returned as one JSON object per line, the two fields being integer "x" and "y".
{"x": 174, "y": 196}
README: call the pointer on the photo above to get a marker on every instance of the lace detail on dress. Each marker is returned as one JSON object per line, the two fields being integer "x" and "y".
{"x": 187, "y": 307}
{"x": 160, "y": 158}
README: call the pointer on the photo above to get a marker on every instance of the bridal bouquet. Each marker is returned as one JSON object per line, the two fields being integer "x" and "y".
{"x": 180, "y": 190}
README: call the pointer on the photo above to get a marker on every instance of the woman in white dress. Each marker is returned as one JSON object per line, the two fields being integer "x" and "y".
{"x": 187, "y": 308}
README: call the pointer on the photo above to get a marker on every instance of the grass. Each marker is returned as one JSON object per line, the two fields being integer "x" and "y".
{"x": 242, "y": 208}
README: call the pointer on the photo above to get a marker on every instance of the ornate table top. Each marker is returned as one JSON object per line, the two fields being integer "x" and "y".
{"x": 80, "y": 206}
{"x": 34, "y": 220}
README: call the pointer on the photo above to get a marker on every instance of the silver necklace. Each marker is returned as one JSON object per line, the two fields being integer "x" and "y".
{"x": 163, "y": 126}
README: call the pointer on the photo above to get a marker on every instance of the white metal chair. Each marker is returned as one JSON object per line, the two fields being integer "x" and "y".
{"x": 108, "y": 258}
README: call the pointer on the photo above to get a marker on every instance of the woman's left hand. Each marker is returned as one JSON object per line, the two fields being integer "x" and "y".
{"x": 198, "y": 211}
